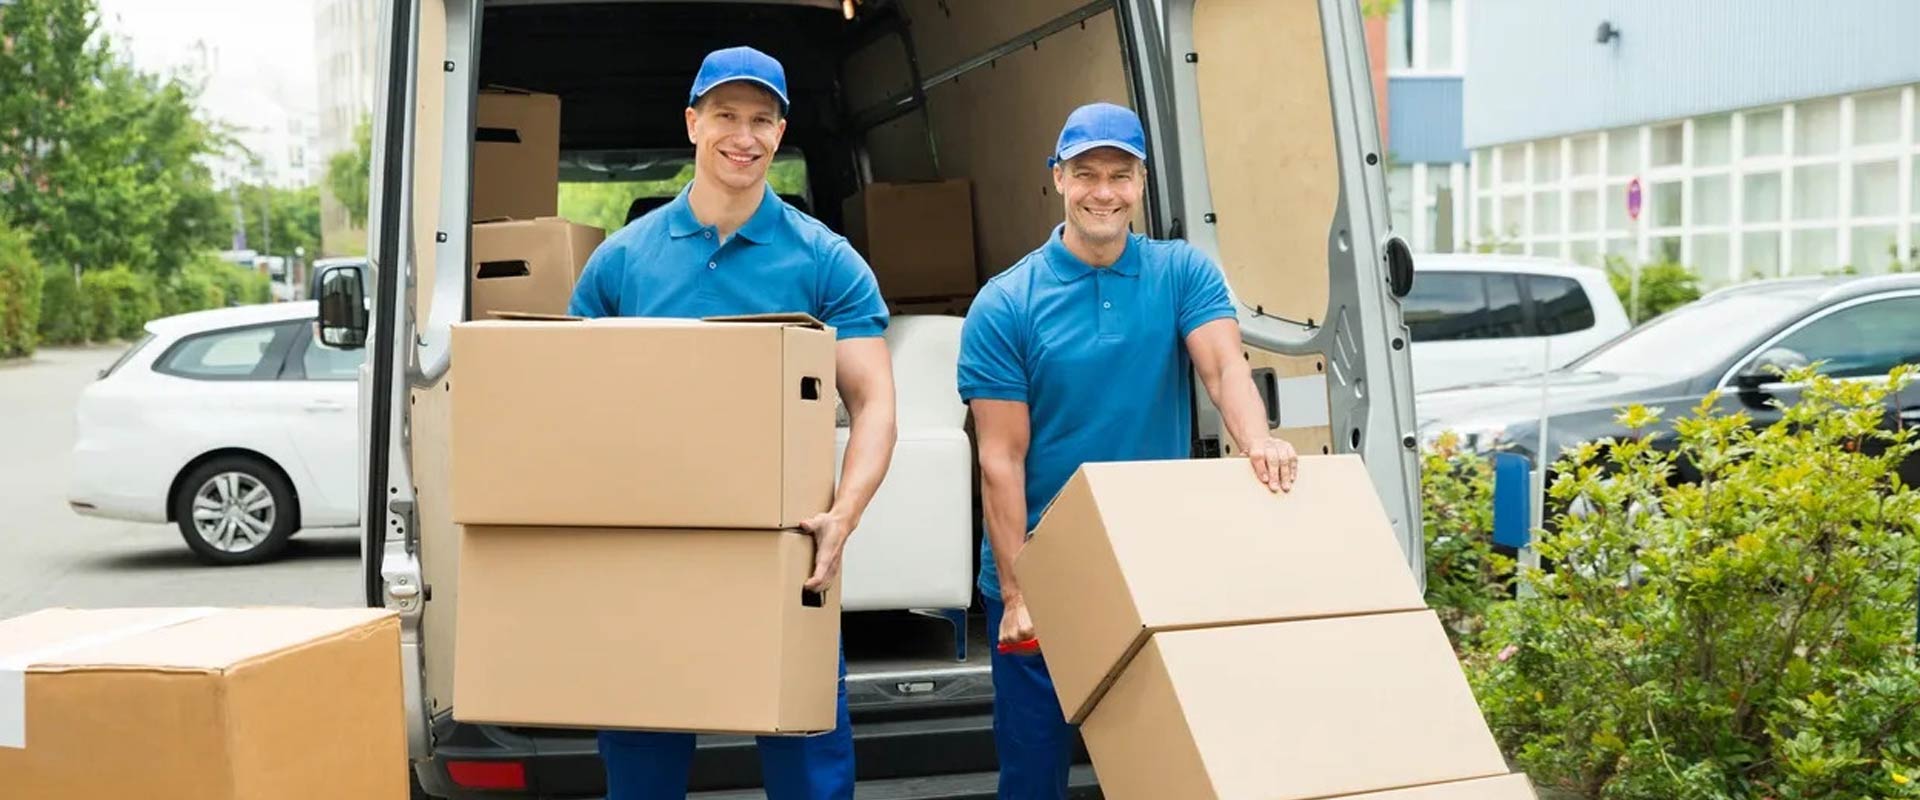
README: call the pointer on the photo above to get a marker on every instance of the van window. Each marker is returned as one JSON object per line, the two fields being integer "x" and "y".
{"x": 1559, "y": 305}
{"x": 610, "y": 204}
{"x": 1447, "y": 306}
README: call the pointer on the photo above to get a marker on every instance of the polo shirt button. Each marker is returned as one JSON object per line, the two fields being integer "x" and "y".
{"x": 707, "y": 235}
{"x": 712, "y": 264}
{"x": 1106, "y": 305}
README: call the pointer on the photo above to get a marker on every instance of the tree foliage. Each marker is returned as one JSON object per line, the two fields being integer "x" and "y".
{"x": 350, "y": 172}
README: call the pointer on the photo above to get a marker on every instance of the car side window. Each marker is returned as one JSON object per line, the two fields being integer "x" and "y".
{"x": 1451, "y": 306}
{"x": 252, "y": 353}
{"x": 1861, "y": 341}
{"x": 321, "y": 363}
{"x": 1559, "y": 305}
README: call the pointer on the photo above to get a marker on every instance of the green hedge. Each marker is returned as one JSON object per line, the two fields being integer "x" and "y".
{"x": 19, "y": 295}
{"x": 117, "y": 303}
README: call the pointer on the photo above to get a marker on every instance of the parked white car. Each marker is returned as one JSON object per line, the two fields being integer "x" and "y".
{"x": 1476, "y": 318}
{"x": 232, "y": 423}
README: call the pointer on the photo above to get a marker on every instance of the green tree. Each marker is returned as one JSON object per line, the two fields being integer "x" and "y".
{"x": 20, "y": 287}
{"x": 277, "y": 219}
{"x": 349, "y": 173}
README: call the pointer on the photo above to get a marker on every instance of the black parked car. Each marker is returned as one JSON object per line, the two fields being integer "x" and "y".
{"x": 1860, "y": 327}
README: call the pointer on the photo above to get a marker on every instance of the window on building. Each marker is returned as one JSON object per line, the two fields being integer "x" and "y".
{"x": 1816, "y": 192}
{"x": 1439, "y": 24}
{"x": 1483, "y": 169}
{"x": 1876, "y": 118}
{"x": 1668, "y": 204}
{"x": 1546, "y": 161}
{"x": 1875, "y": 248}
{"x": 1669, "y": 145}
{"x": 1712, "y": 200}
{"x": 1760, "y": 255}
{"x": 1709, "y": 259}
{"x": 1816, "y": 128}
{"x": 1621, "y": 247}
{"x": 1559, "y": 305}
{"x": 1760, "y": 199}
{"x": 1439, "y": 210}
{"x": 1617, "y": 219}
{"x": 1513, "y": 167}
{"x": 1815, "y": 250}
{"x": 1400, "y": 36}
{"x": 1765, "y": 134}
{"x": 1400, "y": 198}
{"x": 1513, "y": 217}
{"x": 1585, "y": 216}
{"x": 1667, "y": 248}
{"x": 1586, "y": 156}
{"x": 1623, "y": 152}
{"x": 1584, "y": 251}
{"x": 1712, "y": 140}
{"x": 1876, "y": 189}
{"x": 1546, "y": 213}
{"x": 1485, "y": 213}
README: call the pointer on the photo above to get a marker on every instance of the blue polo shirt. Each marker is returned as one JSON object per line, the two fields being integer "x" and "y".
{"x": 667, "y": 264}
{"x": 1098, "y": 355}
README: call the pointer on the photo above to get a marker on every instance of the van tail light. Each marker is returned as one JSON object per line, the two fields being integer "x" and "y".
{"x": 497, "y": 775}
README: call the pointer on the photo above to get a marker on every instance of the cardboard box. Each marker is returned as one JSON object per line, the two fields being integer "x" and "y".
{"x": 528, "y": 266}
{"x": 516, "y": 155}
{"x": 648, "y": 423}
{"x": 683, "y": 630}
{"x": 1505, "y": 787}
{"x": 202, "y": 704}
{"x": 1289, "y": 711}
{"x": 917, "y": 237}
{"x": 1129, "y": 549}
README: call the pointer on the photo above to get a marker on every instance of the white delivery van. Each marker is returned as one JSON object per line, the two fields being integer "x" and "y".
{"x": 1265, "y": 153}
{"x": 1477, "y": 318}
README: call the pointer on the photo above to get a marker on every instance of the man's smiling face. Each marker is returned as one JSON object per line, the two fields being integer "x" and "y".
{"x": 735, "y": 130}
{"x": 1101, "y": 188}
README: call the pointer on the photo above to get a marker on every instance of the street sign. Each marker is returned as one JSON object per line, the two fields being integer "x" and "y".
{"x": 1633, "y": 199}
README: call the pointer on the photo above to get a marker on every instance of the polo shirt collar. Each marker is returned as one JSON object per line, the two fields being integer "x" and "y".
{"x": 1069, "y": 268}
{"x": 760, "y": 228}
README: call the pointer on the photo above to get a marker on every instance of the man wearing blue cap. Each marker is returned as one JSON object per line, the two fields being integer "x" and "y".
{"x": 728, "y": 245}
{"x": 1081, "y": 352}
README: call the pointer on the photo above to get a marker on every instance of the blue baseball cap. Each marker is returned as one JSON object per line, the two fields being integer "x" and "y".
{"x": 1100, "y": 125}
{"x": 740, "y": 64}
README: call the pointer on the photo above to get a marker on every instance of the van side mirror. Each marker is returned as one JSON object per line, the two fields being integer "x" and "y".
{"x": 1768, "y": 367}
{"x": 343, "y": 307}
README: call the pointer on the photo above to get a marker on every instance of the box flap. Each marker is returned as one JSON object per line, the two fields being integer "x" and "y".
{"x": 528, "y": 315}
{"x": 175, "y": 638}
{"x": 791, "y": 319}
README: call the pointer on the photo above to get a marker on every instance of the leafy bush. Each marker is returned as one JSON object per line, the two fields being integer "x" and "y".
{"x": 196, "y": 286}
{"x": 1748, "y": 635}
{"x": 19, "y": 295}
{"x": 1663, "y": 286}
{"x": 63, "y": 318}
{"x": 1464, "y": 575}
{"x": 120, "y": 302}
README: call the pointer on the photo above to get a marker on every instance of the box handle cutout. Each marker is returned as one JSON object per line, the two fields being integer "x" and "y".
{"x": 502, "y": 269}
{"x": 497, "y": 135}
{"x": 809, "y": 388}
{"x": 812, "y": 599}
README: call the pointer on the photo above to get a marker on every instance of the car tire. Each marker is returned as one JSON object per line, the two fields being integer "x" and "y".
{"x": 236, "y": 510}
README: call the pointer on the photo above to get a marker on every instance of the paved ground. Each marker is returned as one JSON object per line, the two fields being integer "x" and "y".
{"x": 50, "y": 556}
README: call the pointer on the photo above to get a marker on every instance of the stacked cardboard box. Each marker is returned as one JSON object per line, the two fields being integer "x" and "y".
{"x": 202, "y": 704}
{"x": 918, "y": 238}
{"x": 629, "y": 491}
{"x": 525, "y": 259}
{"x": 1217, "y": 640}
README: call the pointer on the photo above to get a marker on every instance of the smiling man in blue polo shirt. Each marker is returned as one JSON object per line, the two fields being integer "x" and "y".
{"x": 1081, "y": 352}
{"x": 729, "y": 245}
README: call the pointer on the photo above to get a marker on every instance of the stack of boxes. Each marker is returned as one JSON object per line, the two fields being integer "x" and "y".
{"x": 525, "y": 259}
{"x": 1217, "y": 640}
{"x": 629, "y": 492}
{"x": 918, "y": 238}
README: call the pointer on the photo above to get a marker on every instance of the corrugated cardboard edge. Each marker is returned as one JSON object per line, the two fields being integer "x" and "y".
{"x": 794, "y": 318}
{"x": 1082, "y": 483}
{"x": 535, "y": 317}
{"x": 13, "y": 670}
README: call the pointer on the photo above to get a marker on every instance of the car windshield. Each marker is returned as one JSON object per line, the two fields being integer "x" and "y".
{"x": 1694, "y": 338}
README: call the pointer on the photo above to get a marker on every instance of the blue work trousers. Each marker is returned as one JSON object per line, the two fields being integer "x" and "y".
{"x": 1030, "y": 733}
{"x": 655, "y": 766}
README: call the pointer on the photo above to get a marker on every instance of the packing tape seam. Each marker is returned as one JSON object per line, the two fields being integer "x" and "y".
{"x": 13, "y": 669}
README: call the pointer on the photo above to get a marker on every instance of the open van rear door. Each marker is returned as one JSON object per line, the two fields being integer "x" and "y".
{"x": 1264, "y": 130}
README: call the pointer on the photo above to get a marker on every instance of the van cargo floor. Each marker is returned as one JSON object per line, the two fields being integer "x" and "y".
{"x": 972, "y": 786}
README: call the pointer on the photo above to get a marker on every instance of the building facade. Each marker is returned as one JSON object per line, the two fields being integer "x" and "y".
{"x": 1743, "y": 138}
{"x": 344, "y": 50}
{"x": 1425, "y": 57}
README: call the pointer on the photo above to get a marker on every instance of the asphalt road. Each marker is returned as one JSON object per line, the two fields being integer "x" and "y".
{"x": 50, "y": 556}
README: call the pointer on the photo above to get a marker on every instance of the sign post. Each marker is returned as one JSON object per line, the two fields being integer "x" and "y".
{"x": 1633, "y": 292}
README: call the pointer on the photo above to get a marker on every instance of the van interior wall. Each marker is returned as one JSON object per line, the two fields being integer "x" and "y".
{"x": 997, "y": 124}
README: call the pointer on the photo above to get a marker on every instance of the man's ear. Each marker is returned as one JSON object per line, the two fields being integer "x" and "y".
{"x": 692, "y": 115}
{"x": 1060, "y": 179}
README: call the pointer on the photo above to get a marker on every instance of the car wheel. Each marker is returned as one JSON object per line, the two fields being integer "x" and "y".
{"x": 235, "y": 510}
